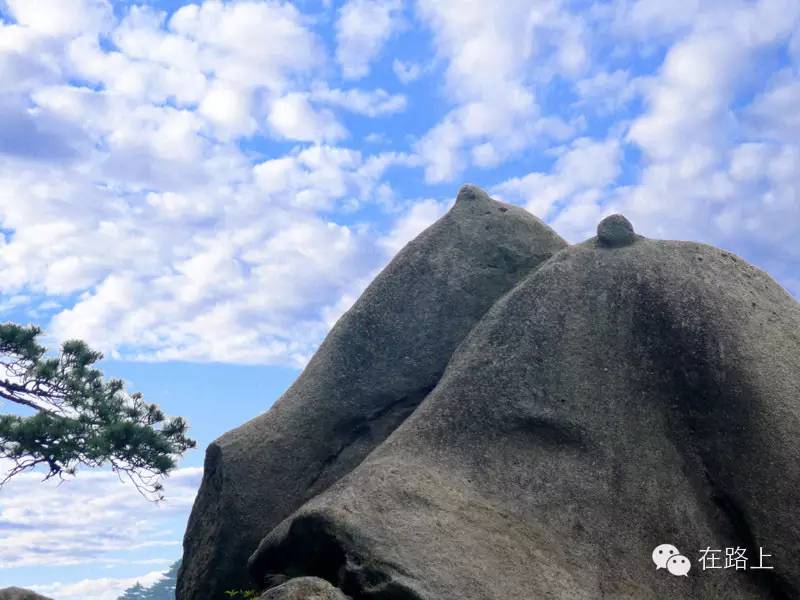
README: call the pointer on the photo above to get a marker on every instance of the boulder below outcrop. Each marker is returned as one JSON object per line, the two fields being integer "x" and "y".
{"x": 15, "y": 593}
{"x": 304, "y": 588}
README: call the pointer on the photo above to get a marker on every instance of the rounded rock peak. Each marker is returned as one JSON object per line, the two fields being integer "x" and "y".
{"x": 615, "y": 231}
{"x": 471, "y": 193}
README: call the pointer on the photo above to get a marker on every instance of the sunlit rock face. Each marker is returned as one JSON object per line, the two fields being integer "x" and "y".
{"x": 619, "y": 395}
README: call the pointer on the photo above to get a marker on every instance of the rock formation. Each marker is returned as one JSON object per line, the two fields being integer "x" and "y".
{"x": 304, "y": 588}
{"x": 378, "y": 363}
{"x": 624, "y": 393}
{"x": 15, "y": 593}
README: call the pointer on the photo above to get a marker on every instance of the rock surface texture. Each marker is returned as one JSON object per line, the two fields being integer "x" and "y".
{"x": 304, "y": 588}
{"x": 15, "y": 593}
{"x": 624, "y": 393}
{"x": 377, "y": 364}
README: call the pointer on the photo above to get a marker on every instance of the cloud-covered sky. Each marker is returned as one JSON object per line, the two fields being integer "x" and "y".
{"x": 215, "y": 182}
{"x": 59, "y": 529}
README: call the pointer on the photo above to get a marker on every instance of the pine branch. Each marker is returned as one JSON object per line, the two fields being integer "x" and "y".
{"x": 81, "y": 419}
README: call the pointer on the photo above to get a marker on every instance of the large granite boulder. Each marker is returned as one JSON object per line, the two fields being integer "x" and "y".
{"x": 382, "y": 358}
{"x": 15, "y": 593}
{"x": 629, "y": 393}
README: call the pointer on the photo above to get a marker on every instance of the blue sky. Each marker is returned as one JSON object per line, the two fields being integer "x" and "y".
{"x": 201, "y": 189}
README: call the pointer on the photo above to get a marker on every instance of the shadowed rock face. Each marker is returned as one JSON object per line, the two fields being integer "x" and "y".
{"x": 375, "y": 367}
{"x": 626, "y": 393}
{"x": 617, "y": 399}
{"x": 15, "y": 593}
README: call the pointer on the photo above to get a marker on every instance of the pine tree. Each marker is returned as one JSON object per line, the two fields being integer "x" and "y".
{"x": 163, "y": 589}
{"x": 135, "y": 592}
{"x": 80, "y": 419}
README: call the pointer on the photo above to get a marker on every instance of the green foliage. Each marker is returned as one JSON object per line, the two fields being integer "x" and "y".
{"x": 81, "y": 418}
{"x": 247, "y": 594}
{"x": 135, "y": 592}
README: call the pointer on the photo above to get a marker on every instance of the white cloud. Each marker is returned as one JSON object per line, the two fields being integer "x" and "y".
{"x": 363, "y": 27}
{"x": 411, "y": 223}
{"x": 606, "y": 92}
{"x": 491, "y": 73}
{"x": 150, "y": 178}
{"x": 570, "y": 194}
{"x": 773, "y": 113}
{"x": 319, "y": 176}
{"x": 142, "y": 35}
{"x": 162, "y": 234}
{"x": 229, "y": 109}
{"x": 313, "y": 178}
{"x": 101, "y": 588}
{"x": 61, "y": 18}
{"x": 478, "y": 56}
{"x": 649, "y": 18}
{"x": 138, "y": 80}
{"x": 26, "y": 59}
{"x": 179, "y": 207}
{"x": 371, "y": 103}
{"x": 293, "y": 117}
{"x": 93, "y": 517}
{"x": 263, "y": 268}
{"x": 689, "y": 101}
{"x": 165, "y": 276}
{"x": 260, "y": 283}
{"x": 161, "y": 231}
{"x": 718, "y": 169}
{"x": 502, "y": 122}
{"x": 249, "y": 43}
{"x": 156, "y": 219}
{"x": 406, "y": 72}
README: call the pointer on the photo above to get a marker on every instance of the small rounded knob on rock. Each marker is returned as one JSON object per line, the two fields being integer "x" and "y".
{"x": 471, "y": 193}
{"x": 615, "y": 231}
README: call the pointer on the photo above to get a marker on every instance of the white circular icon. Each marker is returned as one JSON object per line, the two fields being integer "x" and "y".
{"x": 679, "y": 565}
{"x": 662, "y": 554}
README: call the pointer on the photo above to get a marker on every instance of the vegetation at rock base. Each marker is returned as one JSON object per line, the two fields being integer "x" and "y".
{"x": 241, "y": 594}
